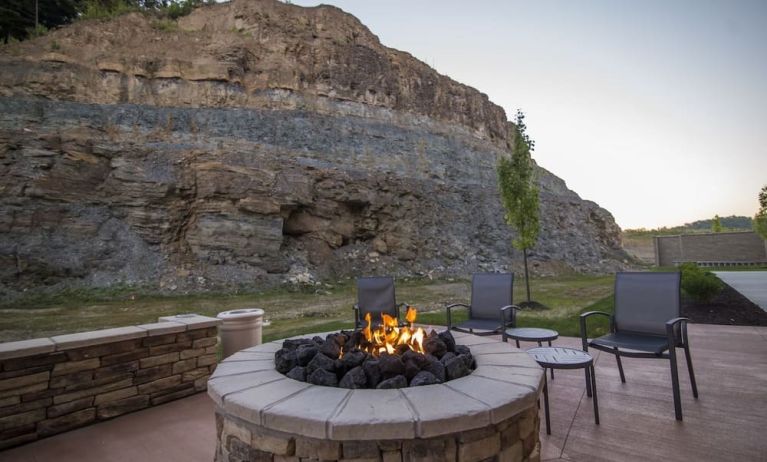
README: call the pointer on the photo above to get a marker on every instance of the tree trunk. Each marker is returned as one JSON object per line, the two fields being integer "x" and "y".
{"x": 527, "y": 274}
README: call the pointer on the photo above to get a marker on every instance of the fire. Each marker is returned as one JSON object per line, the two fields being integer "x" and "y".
{"x": 389, "y": 336}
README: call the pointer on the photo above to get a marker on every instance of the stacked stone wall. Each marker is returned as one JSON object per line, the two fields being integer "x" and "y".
{"x": 51, "y": 385}
{"x": 515, "y": 439}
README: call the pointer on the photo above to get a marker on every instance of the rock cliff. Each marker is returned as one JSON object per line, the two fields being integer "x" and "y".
{"x": 253, "y": 143}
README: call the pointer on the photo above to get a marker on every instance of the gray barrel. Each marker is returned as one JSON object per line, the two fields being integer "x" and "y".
{"x": 240, "y": 329}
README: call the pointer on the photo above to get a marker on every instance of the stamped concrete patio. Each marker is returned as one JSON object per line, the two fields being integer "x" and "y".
{"x": 637, "y": 418}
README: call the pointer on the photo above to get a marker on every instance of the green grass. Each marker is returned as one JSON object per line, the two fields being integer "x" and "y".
{"x": 290, "y": 312}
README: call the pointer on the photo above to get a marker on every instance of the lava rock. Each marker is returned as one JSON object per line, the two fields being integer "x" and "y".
{"x": 355, "y": 340}
{"x": 306, "y": 353}
{"x": 398, "y": 381}
{"x": 401, "y": 349}
{"x": 353, "y": 359}
{"x": 467, "y": 359}
{"x": 330, "y": 348}
{"x": 318, "y": 340}
{"x": 355, "y": 378}
{"x": 297, "y": 373}
{"x": 424, "y": 378}
{"x": 390, "y": 365}
{"x": 323, "y": 377}
{"x": 293, "y": 344}
{"x": 420, "y": 359}
{"x": 434, "y": 345}
{"x": 449, "y": 340}
{"x": 320, "y": 362}
{"x": 447, "y": 357}
{"x": 372, "y": 372}
{"x": 436, "y": 367}
{"x": 285, "y": 360}
{"x": 341, "y": 338}
{"x": 411, "y": 370}
{"x": 456, "y": 368}
{"x": 462, "y": 350}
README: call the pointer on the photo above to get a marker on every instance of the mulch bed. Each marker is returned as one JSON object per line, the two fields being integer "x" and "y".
{"x": 729, "y": 307}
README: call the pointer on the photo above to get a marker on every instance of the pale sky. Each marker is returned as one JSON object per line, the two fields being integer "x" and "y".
{"x": 656, "y": 110}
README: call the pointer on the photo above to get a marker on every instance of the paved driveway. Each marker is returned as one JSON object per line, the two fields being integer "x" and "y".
{"x": 752, "y": 284}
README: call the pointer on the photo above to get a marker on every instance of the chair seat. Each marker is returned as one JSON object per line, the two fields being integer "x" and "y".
{"x": 480, "y": 324}
{"x": 629, "y": 341}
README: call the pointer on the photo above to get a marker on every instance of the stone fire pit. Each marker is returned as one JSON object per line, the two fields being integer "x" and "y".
{"x": 263, "y": 415}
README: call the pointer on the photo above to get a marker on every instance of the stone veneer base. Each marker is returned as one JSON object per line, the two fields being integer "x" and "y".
{"x": 51, "y": 385}
{"x": 489, "y": 415}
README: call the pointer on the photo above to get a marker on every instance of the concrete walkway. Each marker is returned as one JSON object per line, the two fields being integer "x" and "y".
{"x": 637, "y": 418}
{"x": 751, "y": 284}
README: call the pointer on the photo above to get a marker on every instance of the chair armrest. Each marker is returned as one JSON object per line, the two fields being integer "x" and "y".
{"x": 671, "y": 333}
{"x": 449, "y": 317}
{"x": 584, "y": 329}
{"x": 356, "y": 309}
{"x": 512, "y": 320}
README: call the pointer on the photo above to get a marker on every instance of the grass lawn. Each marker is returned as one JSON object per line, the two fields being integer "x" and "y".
{"x": 289, "y": 313}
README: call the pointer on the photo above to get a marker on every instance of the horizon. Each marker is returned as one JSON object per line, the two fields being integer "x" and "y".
{"x": 647, "y": 82}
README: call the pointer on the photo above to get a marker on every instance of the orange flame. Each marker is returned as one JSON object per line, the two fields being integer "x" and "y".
{"x": 389, "y": 335}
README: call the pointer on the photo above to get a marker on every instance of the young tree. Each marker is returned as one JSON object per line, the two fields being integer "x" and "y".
{"x": 716, "y": 224}
{"x": 760, "y": 219}
{"x": 519, "y": 193}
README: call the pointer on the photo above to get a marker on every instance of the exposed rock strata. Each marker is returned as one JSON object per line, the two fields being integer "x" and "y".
{"x": 260, "y": 142}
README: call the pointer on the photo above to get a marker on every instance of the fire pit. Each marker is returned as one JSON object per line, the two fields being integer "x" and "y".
{"x": 491, "y": 413}
{"x": 381, "y": 356}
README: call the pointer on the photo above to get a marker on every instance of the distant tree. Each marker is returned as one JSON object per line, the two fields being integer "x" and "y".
{"x": 22, "y": 19}
{"x": 716, "y": 224}
{"x": 760, "y": 220}
{"x": 519, "y": 193}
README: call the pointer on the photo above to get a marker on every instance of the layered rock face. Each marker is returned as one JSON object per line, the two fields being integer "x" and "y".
{"x": 256, "y": 143}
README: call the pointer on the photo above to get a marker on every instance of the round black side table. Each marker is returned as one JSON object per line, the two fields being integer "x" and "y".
{"x": 532, "y": 334}
{"x": 566, "y": 358}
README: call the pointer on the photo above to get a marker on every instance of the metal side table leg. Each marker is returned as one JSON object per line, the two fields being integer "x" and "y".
{"x": 594, "y": 393}
{"x": 546, "y": 403}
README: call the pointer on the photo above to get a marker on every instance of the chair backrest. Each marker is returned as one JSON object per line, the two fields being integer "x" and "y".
{"x": 645, "y": 301}
{"x": 489, "y": 293}
{"x": 375, "y": 295}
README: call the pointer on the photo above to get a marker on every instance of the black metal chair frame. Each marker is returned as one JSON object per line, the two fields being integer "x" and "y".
{"x": 676, "y": 337}
{"x": 503, "y": 313}
{"x": 358, "y": 319}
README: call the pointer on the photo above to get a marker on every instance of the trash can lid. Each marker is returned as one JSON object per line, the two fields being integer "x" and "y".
{"x": 241, "y": 313}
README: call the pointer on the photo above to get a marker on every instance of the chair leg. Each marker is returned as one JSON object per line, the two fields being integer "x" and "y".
{"x": 620, "y": 365}
{"x": 588, "y": 382}
{"x": 594, "y": 393}
{"x": 692, "y": 373}
{"x": 552, "y": 369}
{"x": 517, "y": 343}
{"x": 546, "y": 403}
{"x": 675, "y": 383}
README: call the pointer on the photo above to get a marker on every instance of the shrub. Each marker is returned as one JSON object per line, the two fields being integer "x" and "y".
{"x": 95, "y": 9}
{"x": 701, "y": 285}
{"x": 165, "y": 25}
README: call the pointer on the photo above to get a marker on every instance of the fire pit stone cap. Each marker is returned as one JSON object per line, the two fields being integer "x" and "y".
{"x": 505, "y": 382}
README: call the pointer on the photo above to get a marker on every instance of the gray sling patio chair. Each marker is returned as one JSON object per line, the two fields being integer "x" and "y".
{"x": 491, "y": 309}
{"x": 646, "y": 324}
{"x": 375, "y": 295}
